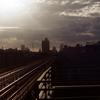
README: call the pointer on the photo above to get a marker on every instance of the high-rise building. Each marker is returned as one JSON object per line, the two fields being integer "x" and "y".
{"x": 45, "y": 45}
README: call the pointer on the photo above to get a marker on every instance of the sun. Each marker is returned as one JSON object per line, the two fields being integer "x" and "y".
{"x": 17, "y": 11}
{"x": 11, "y": 6}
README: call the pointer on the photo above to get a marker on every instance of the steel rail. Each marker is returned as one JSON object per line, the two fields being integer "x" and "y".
{"x": 8, "y": 88}
{"x": 15, "y": 74}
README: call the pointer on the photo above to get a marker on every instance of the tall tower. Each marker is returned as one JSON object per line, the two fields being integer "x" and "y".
{"x": 45, "y": 45}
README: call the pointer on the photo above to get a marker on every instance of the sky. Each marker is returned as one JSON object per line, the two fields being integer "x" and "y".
{"x": 62, "y": 21}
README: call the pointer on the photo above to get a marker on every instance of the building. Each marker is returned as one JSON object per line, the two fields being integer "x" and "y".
{"x": 61, "y": 47}
{"x": 24, "y": 48}
{"x": 54, "y": 50}
{"x": 45, "y": 45}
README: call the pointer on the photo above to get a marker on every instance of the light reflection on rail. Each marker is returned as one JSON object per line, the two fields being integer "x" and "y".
{"x": 21, "y": 81}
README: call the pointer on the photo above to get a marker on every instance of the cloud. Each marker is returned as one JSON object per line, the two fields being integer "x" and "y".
{"x": 62, "y": 21}
{"x": 87, "y": 34}
{"x": 11, "y": 42}
{"x": 64, "y": 2}
{"x": 88, "y": 9}
{"x": 77, "y": 1}
{"x": 7, "y": 28}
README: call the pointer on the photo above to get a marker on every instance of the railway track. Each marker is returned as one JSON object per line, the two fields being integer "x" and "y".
{"x": 10, "y": 76}
{"x": 19, "y": 87}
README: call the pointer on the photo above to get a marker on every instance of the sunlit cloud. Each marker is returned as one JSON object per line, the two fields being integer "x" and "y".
{"x": 86, "y": 2}
{"x": 39, "y": 1}
{"x": 64, "y": 2}
{"x": 64, "y": 13}
{"x": 9, "y": 28}
{"x": 52, "y": 2}
{"x": 81, "y": 2}
{"x": 86, "y": 11}
{"x": 87, "y": 34}
{"x": 76, "y": 1}
{"x": 5, "y": 28}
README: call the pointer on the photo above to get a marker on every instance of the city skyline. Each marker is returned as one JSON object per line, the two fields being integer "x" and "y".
{"x": 62, "y": 21}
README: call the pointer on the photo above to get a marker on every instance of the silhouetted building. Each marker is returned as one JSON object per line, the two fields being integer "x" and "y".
{"x": 24, "y": 48}
{"x": 40, "y": 51}
{"x": 98, "y": 43}
{"x": 61, "y": 47}
{"x": 78, "y": 45}
{"x": 54, "y": 50}
{"x": 45, "y": 45}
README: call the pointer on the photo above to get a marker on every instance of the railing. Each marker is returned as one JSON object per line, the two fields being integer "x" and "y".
{"x": 77, "y": 92}
{"x": 43, "y": 87}
{"x": 47, "y": 89}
